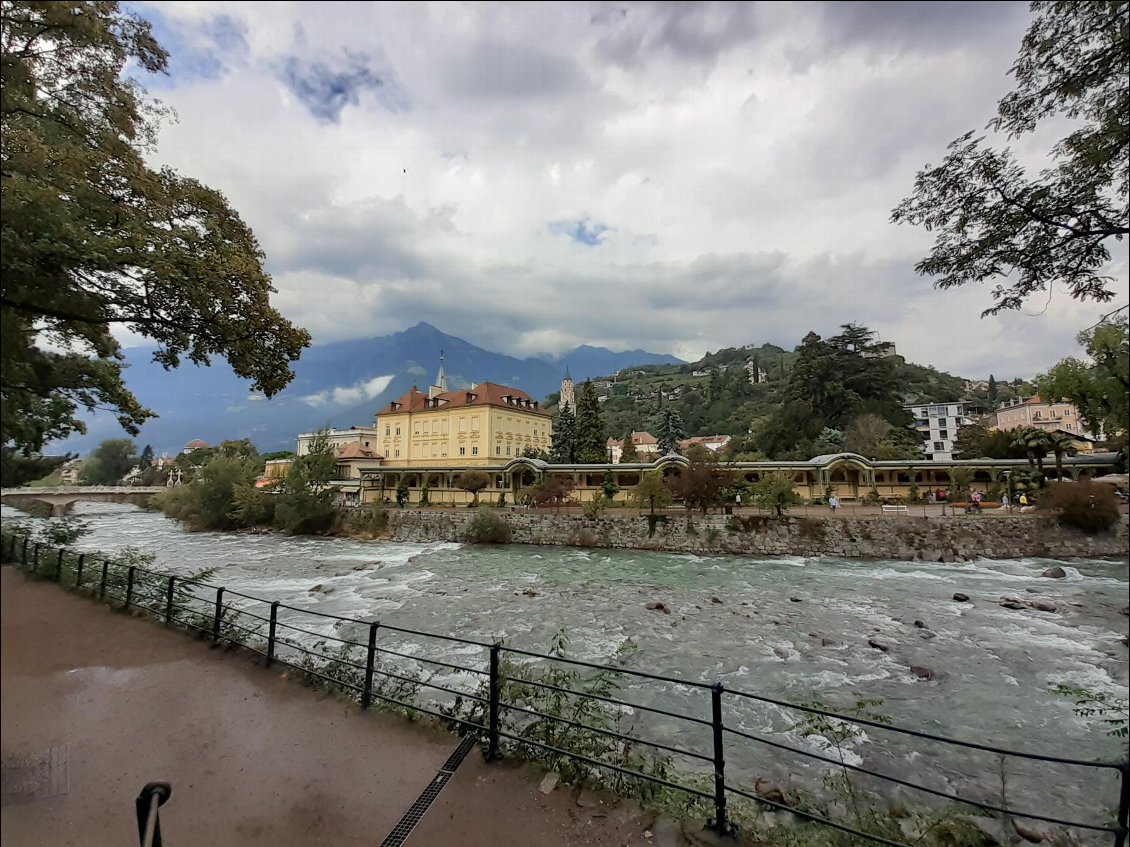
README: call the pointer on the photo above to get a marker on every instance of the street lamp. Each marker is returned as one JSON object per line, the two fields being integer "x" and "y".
{"x": 1008, "y": 488}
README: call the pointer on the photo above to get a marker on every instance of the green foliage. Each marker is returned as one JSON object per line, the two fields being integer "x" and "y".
{"x": 1086, "y": 506}
{"x": 628, "y": 452}
{"x": 474, "y": 482}
{"x": 608, "y": 487}
{"x": 370, "y": 520}
{"x": 92, "y": 238}
{"x": 775, "y": 491}
{"x": 1099, "y": 387}
{"x": 669, "y": 431}
{"x": 556, "y": 489}
{"x": 209, "y": 502}
{"x": 1113, "y": 712}
{"x": 17, "y": 469}
{"x": 563, "y": 449}
{"x": 1034, "y": 442}
{"x": 595, "y": 507}
{"x": 425, "y": 492}
{"x": 109, "y": 462}
{"x": 487, "y": 526}
{"x": 253, "y": 506}
{"x": 402, "y": 492}
{"x": 652, "y": 493}
{"x": 992, "y": 219}
{"x": 591, "y": 437}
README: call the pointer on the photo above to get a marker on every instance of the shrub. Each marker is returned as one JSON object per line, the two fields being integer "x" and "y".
{"x": 595, "y": 507}
{"x": 487, "y": 527}
{"x": 1088, "y": 506}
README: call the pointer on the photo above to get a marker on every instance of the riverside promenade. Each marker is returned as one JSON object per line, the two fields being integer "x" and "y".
{"x": 95, "y": 704}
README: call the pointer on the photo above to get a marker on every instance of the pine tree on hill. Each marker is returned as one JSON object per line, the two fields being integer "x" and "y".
{"x": 563, "y": 449}
{"x": 669, "y": 431}
{"x": 591, "y": 434}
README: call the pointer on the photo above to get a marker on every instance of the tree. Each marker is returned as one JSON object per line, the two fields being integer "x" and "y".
{"x": 993, "y": 219}
{"x": 652, "y": 493}
{"x": 1100, "y": 388}
{"x": 92, "y": 238}
{"x": 591, "y": 436}
{"x": 305, "y": 499}
{"x": 109, "y": 462}
{"x": 1061, "y": 445}
{"x": 628, "y": 452}
{"x": 531, "y": 452}
{"x": 702, "y": 484}
{"x": 775, "y": 491}
{"x": 669, "y": 431}
{"x": 474, "y": 482}
{"x": 1034, "y": 442}
{"x": 555, "y": 489}
{"x": 865, "y": 433}
{"x": 146, "y": 460}
{"x": 967, "y": 442}
{"x": 992, "y": 390}
{"x": 563, "y": 447}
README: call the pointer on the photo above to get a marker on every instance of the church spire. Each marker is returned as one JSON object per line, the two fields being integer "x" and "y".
{"x": 441, "y": 377}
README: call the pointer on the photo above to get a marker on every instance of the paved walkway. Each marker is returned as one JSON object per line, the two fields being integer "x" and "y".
{"x": 95, "y": 704}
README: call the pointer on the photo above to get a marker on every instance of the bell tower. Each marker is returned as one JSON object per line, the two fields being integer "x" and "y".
{"x": 567, "y": 396}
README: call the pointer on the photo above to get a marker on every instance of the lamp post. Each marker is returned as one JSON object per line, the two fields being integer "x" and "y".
{"x": 1008, "y": 488}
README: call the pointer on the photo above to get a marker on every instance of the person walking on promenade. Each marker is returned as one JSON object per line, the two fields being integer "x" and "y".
{"x": 833, "y": 503}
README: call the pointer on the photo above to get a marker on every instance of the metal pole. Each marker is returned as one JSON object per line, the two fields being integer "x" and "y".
{"x": 370, "y": 662}
{"x": 271, "y": 633}
{"x": 35, "y": 560}
{"x": 129, "y": 585}
{"x": 169, "y": 601}
{"x": 23, "y": 555}
{"x": 219, "y": 614}
{"x": 495, "y": 692}
{"x": 1123, "y": 805}
{"x": 719, "y": 760}
{"x": 78, "y": 569}
{"x": 59, "y": 565}
{"x": 102, "y": 584}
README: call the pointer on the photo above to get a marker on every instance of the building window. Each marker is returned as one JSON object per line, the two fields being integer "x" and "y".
{"x": 462, "y": 424}
{"x": 474, "y": 451}
{"x": 462, "y": 451}
{"x": 939, "y": 445}
{"x": 397, "y": 456}
{"x": 507, "y": 451}
{"x": 944, "y": 434}
{"x": 474, "y": 423}
{"x": 398, "y": 430}
{"x": 1067, "y": 413}
{"x": 498, "y": 451}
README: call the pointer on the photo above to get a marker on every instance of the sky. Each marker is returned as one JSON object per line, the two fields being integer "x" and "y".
{"x": 678, "y": 177}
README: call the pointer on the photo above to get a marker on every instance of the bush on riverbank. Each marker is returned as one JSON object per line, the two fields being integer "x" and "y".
{"x": 1087, "y": 506}
{"x": 487, "y": 527}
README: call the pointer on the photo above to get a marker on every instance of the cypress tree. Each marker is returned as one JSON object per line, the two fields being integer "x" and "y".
{"x": 592, "y": 436}
{"x": 563, "y": 449}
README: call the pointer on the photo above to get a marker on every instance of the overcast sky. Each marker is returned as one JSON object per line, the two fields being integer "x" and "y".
{"x": 676, "y": 177}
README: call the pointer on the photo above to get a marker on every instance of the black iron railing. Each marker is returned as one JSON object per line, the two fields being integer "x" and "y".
{"x": 502, "y": 698}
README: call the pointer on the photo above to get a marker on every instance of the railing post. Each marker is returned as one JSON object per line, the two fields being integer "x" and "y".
{"x": 370, "y": 663}
{"x": 169, "y": 601}
{"x": 59, "y": 565}
{"x": 129, "y": 585}
{"x": 78, "y": 570}
{"x": 23, "y": 555}
{"x": 719, "y": 761}
{"x": 1123, "y": 805}
{"x": 102, "y": 584}
{"x": 35, "y": 560}
{"x": 271, "y": 633}
{"x": 219, "y": 614}
{"x": 493, "y": 704}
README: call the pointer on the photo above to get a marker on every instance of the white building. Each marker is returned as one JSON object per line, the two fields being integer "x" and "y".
{"x": 338, "y": 438}
{"x": 938, "y": 424}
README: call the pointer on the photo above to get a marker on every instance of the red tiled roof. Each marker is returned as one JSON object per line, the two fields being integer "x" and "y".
{"x": 638, "y": 438}
{"x": 484, "y": 394}
{"x": 356, "y": 450}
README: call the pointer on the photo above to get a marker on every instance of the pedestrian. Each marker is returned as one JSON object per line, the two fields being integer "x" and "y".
{"x": 738, "y": 500}
{"x": 833, "y": 503}
{"x": 977, "y": 498}
{"x": 1005, "y": 503}
{"x": 1023, "y": 502}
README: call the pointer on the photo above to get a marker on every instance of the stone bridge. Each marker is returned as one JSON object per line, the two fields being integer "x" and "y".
{"x": 58, "y": 501}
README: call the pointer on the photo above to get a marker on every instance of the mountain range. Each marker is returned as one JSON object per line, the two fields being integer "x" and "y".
{"x": 335, "y": 385}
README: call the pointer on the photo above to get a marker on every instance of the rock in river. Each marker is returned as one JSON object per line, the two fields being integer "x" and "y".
{"x": 961, "y": 598}
{"x": 1054, "y": 573}
{"x": 656, "y": 606}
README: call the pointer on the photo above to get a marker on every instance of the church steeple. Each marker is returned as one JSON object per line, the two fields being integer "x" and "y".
{"x": 567, "y": 394}
{"x": 441, "y": 379}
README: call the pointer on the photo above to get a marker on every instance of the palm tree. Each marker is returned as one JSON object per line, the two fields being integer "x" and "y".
{"x": 1035, "y": 443}
{"x": 1061, "y": 445}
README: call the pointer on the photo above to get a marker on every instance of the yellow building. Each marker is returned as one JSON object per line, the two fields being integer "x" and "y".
{"x": 487, "y": 424}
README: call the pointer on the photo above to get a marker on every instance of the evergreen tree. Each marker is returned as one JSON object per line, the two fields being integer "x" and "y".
{"x": 629, "y": 453}
{"x": 146, "y": 458}
{"x": 591, "y": 435}
{"x": 992, "y": 390}
{"x": 563, "y": 449}
{"x": 669, "y": 431}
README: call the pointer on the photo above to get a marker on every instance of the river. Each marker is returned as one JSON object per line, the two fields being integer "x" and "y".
{"x": 790, "y": 628}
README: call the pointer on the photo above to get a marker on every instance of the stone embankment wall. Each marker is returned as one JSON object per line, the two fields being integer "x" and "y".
{"x": 928, "y": 539}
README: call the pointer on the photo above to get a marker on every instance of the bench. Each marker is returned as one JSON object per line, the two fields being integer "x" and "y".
{"x": 895, "y": 510}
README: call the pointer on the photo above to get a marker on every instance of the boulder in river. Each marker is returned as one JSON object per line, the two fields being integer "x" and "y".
{"x": 1028, "y": 833}
{"x": 961, "y": 598}
{"x": 878, "y": 645}
{"x": 922, "y": 672}
{"x": 768, "y": 790}
{"x": 529, "y": 592}
{"x": 919, "y": 625}
{"x": 657, "y": 606}
{"x": 718, "y": 600}
{"x": 1042, "y": 605}
{"x": 1013, "y": 603}
{"x": 1055, "y": 573}
{"x": 927, "y": 634}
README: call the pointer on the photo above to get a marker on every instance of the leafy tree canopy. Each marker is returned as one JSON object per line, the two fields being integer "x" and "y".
{"x": 1099, "y": 387}
{"x": 92, "y": 238}
{"x": 110, "y": 461}
{"x": 995, "y": 220}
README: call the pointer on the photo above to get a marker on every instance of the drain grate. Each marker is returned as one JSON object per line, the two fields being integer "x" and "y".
{"x": 419, "y": 808}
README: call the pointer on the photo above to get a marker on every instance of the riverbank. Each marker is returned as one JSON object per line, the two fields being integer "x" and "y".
{"x": 902, "y": 537}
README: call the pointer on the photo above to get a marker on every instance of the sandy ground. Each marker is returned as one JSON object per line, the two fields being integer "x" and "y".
{"x": 95, "y": 704}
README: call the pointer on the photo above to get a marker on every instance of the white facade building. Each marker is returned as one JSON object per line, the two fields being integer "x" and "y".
{"x": 338, "y": 438}
{"x": 938, "y": 424}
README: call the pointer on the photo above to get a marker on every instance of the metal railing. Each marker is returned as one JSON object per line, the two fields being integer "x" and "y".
{"x": 497, "y": 697}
